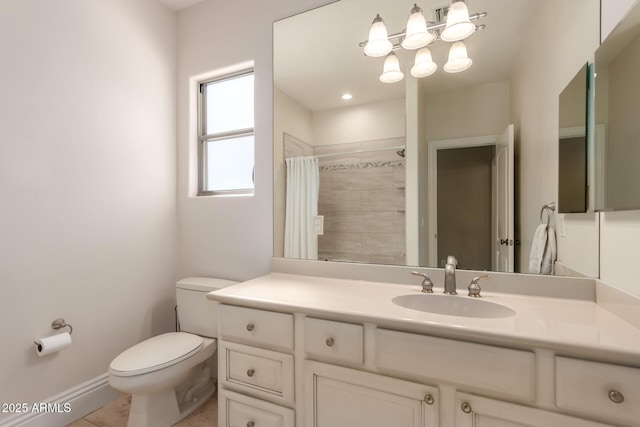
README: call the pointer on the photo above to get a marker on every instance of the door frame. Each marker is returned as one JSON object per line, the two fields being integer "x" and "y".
{"x": 432, "y": 181}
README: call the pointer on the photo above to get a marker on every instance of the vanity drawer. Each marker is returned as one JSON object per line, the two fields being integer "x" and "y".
{"x": 502, "y": 371}
{"x": 267, "y": 374}
{"x": 337, "y": 341}
{"x": 607, "y": 391}
{"x": 240, "y": 410}
{"x": 256, "y": 327}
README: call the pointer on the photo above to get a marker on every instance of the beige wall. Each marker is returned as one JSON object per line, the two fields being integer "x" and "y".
{"x": 228, "y": 237}
{"x": 87, "y": 177}
{"x": 478, "y": 110}
{"x": 535, "y": 113}
{"x": 620, "y": 231}
{"x": 364, "y": 122}
{"x": 292, "y": 118}
{"x": 623, "y": 132}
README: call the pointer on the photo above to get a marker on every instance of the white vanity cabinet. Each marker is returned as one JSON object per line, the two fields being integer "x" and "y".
{"x": 303, "y": 363}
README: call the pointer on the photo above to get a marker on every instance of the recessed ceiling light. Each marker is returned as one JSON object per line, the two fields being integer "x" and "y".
{"x": 347, "y": 96}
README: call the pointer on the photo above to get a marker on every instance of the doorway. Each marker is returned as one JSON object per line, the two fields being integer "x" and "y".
{"x": 460, "y": 202}
{"x": 465, "y": 206}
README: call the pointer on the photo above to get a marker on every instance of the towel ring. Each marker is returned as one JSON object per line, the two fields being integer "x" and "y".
{"x": 549, "y": 207}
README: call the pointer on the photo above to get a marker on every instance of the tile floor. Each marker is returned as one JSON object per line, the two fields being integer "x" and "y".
{"x": 115, "y": 415}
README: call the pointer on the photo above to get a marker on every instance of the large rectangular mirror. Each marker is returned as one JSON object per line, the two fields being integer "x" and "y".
{"x": 448, "y": 164}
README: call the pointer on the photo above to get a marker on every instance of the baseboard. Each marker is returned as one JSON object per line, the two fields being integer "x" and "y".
{"x": 66, "y": 407}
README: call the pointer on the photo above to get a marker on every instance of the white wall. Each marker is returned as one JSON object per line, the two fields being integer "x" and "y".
{"x": 229, "y": 237}
{"x": 87, "y": 178}
{"x": 535, "y": 110}
{"x": 363, "y": 122}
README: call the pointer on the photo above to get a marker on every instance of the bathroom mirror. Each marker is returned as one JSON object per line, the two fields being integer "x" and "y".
{"x": 617, "y": 116}
{"x": 572, "y": 145}
{"x": 317, "y": 59}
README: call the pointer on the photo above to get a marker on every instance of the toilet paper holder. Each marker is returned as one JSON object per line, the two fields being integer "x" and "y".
{"x": 59, "y": 324}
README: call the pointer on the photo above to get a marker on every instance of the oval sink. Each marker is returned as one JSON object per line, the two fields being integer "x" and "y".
{"x": 453, "y": 305}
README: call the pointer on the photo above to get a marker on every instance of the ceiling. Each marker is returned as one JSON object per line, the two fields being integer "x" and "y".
{"x": 176, "y": 5}
{"x": 317, "y": 57}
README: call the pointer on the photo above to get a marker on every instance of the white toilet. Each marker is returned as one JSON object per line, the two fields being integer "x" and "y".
{"x": 170, "y": 375}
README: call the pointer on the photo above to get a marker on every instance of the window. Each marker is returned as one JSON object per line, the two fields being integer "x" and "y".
{"x": 226, "y": 135}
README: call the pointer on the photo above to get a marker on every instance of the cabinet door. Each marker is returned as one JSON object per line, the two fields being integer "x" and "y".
{"x": 476, "y": 411}
{"x": 342, "y": 397}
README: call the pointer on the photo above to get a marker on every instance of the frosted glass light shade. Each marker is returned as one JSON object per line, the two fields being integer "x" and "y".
{"x": 458, "y": 58}
{"x": 459, "y": 26}
{"x": 391, "y": 72}
{"x": 378, "y": 43}
{"x": 417, "y": 35}
{"x": 424, "y": 65}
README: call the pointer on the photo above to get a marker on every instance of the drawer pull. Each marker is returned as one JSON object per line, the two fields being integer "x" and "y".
{"x": 251, "y": 424}
{"x": 615, "y": 396}
{"x": 250, "y": 372}
{"x": 466, "y": 407}
{"x": 428, "y": 399}
{"x": 250, "y": 328}
{"x": 329, "y": 342}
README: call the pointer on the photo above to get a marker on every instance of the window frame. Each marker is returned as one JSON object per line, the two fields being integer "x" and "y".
{"x": 204, "y": 138}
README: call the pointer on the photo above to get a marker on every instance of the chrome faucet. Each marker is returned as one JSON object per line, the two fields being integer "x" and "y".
{"x": 450, "y": 276}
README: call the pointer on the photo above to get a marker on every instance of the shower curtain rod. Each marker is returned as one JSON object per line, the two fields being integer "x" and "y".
{"x": 365, "y": 150}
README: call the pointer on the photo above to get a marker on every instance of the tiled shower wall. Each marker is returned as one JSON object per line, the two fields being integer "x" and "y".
{"x": 362, "y": 198}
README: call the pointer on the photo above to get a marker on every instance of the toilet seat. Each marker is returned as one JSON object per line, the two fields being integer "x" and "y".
{"x": 156, "y": 353}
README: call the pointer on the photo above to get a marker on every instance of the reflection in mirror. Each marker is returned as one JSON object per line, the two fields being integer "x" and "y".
{"x": 617, "y": 111}
{"x": 382, "y": 197}
{"x": 572, "y": 160}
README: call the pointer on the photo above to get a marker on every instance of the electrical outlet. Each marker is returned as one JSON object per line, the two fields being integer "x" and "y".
{"x": 318, "y": 225}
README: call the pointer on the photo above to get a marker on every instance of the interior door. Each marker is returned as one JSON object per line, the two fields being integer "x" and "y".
{"x": 503, "y": 199}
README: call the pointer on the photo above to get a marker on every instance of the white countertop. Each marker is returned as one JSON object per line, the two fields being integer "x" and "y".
{"x": 569, "y": 327}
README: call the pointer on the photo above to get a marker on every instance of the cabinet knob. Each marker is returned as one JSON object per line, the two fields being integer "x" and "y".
{"x": 428, "y": 399}
{"x": 466, "y": 407}
{"x": 250, "y": 372}
{"x": 330, "y": 342}
{"x": 250, "y": 327}
{"x": 615, "y": 396}
{"x": 251, "y": 424}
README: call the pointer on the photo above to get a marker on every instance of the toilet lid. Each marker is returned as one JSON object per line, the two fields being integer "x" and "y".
{"x": 156, "y": 353}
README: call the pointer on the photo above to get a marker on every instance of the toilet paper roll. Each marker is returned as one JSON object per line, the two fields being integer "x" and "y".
{"x": 53, "y": 343}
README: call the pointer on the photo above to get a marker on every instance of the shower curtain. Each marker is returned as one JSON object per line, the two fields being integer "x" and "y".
{"x": 303, "y": 183}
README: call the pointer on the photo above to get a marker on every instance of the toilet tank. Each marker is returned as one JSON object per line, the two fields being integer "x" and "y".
{"x": 197, "y": 314}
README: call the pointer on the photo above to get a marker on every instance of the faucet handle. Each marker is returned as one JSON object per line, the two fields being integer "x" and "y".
{"x": 452, "y": 260}
{"x": 427, "y": 284}
{"x": 474, "y": 287}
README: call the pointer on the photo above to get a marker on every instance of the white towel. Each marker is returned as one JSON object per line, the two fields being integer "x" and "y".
{"x": 543, "y": 250}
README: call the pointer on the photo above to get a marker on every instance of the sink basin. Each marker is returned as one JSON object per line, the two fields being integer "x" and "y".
{"x": 453, "y": 305}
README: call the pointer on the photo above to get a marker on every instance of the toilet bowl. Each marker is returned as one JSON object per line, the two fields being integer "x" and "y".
{"x": 171, "y": 375}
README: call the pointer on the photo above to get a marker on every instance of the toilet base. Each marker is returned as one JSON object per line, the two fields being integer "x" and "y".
{"x": 162, "y": 409}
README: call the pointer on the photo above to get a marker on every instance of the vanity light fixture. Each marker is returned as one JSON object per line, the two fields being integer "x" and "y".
{"x": 458, "y": 58}
{"x": 391, "y": 72}
{"x": 424, "y": 65}
{"x": 419, "y": 34}
{"x": 459, "y": 26}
